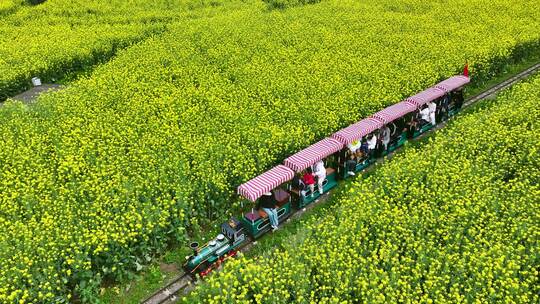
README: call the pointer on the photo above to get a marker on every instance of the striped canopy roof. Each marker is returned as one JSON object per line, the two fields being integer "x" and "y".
{"x": 426, "y": 96}
{"x": 395, "y": 111}
{"x": 358, "y": 130}
{"x": 453, "y": 83}
{"x": 265, "y": 182}
{"x": 312, "y": 154}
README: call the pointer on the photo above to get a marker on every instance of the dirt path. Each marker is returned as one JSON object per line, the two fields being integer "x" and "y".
{"x": 31, "y": 95}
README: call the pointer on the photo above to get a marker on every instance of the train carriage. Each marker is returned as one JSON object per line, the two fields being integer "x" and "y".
{"x": 324, "y": 150}
{"x": 396, "y": 116}
{"x": 453, "y": 87}
{"x": 257, "y": 222}
{"x": 421, "y": 102}
{"x": 353, "y": 135}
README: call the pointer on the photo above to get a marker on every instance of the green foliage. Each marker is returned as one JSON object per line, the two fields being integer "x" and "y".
{"x": 97, "y": 178}
{"x": 454, "y": 221}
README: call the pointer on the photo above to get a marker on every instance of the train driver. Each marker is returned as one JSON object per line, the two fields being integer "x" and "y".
{"x": 458, "y": 98}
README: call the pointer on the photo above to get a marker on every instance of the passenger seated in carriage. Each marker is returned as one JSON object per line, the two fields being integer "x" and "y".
{"x": 372, "y": 144}
{"x": 364, "y": 148}
{"x": 385, "y": 137}
{"x": 424, "y": 114}
{"x": 401, "y": 126}
{"x": 432, "y": 110}
{"x": 299, "y": 185}
{"x": 320, "y": 171}
{"x": 350, "y": 164}
{"x": 359, "y": 152}
{"x": 411, "y": 127}
{"x": 309, "y": 180}
{"x": 395, "y": 129}
{"x": 442, "y": 111}
{"x": 268, "y": 205}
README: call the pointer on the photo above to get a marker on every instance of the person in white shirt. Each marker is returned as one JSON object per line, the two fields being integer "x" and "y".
{"x": 320, "y": 171}
{"x": 424, "y": 114}
{"x": 372, "y": 142}
{"x": 432, "y": 109}
{"x": 385, "y": 134}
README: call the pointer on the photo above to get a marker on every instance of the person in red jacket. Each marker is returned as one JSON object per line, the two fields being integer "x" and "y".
{"x": 309, "y": 180}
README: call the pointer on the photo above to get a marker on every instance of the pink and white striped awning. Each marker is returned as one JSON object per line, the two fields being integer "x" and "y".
{"x": 453, "y": 83}
{"x": 312, "y": 154}
{"x": 265, "y": 182}
{"x": 426, "y": 96}
{"x": 395, "y": 111}
{"x": 358, "y": 130}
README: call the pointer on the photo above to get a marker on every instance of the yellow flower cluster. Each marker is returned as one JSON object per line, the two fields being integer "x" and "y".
{"x": 454, "y": 221}
{"x": 95, "y": 178}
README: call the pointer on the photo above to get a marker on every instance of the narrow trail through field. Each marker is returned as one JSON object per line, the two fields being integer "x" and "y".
{"x": 31, "y": 95}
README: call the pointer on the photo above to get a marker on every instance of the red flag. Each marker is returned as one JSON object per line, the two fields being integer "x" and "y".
{"x": 466, "y": 70}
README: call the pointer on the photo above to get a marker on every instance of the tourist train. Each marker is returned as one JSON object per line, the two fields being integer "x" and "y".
{"x": 306, "y": 175}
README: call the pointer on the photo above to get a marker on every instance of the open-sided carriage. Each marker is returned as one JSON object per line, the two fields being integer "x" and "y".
{"x": 353, "y": 135}
{"x": 256, "y": 221}
{"x": 396, "y": 117}
{"x": 421, "y": 102}
{"x": 453, "y": 87}
{"x": 447, "y": 96}
{"x": 392, "y": 120}
{"x": 324, "y": 150}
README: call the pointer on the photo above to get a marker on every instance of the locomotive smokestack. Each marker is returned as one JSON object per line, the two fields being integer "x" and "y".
{"x": 195, "y": 247}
